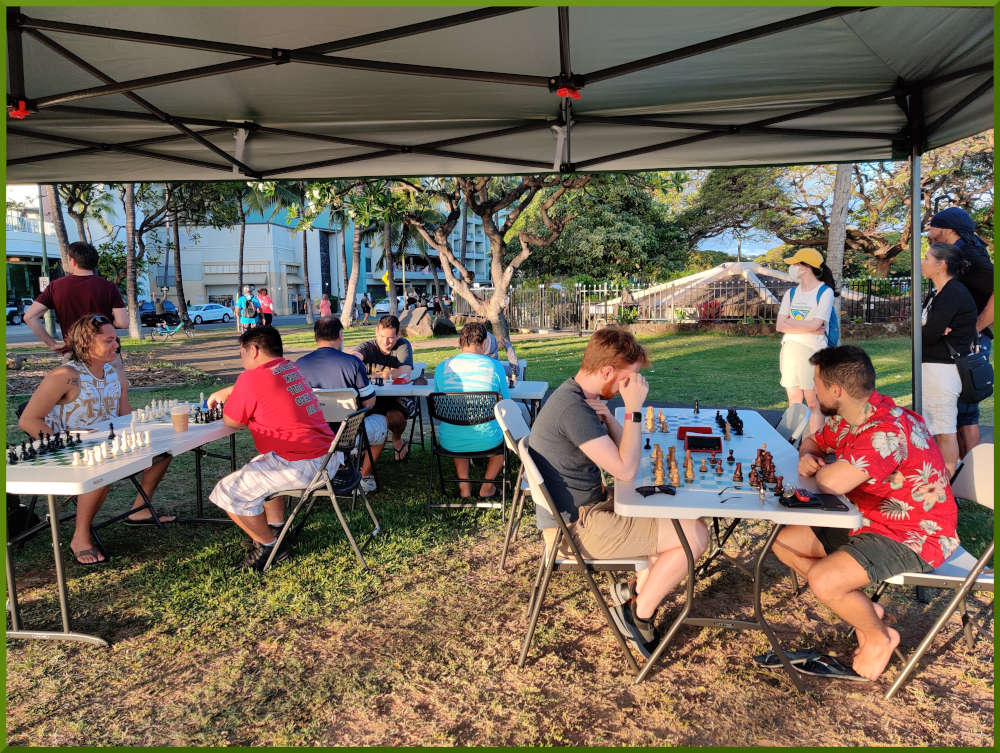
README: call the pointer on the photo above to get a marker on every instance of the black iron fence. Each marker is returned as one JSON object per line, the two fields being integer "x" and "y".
{"x": 731, "y": 300}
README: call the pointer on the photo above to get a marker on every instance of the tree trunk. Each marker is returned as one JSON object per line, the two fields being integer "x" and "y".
{"x": 434, "y": 274}
{"x": 134, "y": 327}
{"x": 388, "y": 270}
{"x": 55, "y": 205}
{"x": 838, "y": 226}
{"x": 305, "y": 277}
{"x": 343, "y": 262}
{"x": 465, "y": 233}
{"x": 352, "y": 282}
{"x": 81, "y": 227}
{"x": 178, "y": 276}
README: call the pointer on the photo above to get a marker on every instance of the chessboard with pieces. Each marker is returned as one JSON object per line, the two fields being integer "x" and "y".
{"x": 154, "y": 411}
{"x": 655, "y": 421}
{"x": 77, "y": 448}
{"x": 709, "y": 472}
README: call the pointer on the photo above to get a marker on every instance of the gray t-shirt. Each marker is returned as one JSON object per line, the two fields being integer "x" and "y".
{"x": 371, "y": 355}
{"x": 563, "y": 424}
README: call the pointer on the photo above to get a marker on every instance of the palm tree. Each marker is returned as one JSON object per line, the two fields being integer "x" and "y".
{"x": 134, "y": 329}
{"x": 52, "y": 195}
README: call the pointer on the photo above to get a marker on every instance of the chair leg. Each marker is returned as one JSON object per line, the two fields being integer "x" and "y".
{"x": 290, "y": 530}
{"x": 509, "y": 533}
{"x": 538, "y": 580}
{"x": 957, "y": 599}
{"x": 970, "y": 637}
{"x": 545, "y": 574}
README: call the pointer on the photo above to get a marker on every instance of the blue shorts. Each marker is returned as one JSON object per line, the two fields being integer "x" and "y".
{"x": 968, "y": 413}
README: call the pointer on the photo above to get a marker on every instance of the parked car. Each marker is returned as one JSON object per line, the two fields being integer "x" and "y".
{"x": 13, "y": 317}
{"x": 382, "y": 306}
{"x": 209, "y": 312}
{"x": 149, "y": 317}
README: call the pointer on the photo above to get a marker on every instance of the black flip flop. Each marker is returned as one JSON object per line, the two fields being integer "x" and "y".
{"x": 827, "y": 666}
{"x": 402, "y": 454}
{"x": 771, "y": 660}
{"x": 93, "y": 551}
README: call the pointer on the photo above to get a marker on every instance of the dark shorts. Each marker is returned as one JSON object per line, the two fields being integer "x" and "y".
{"x": 880, "y": 556}
{"x": 405, "y": 405}
{"x": 968, "y": 413}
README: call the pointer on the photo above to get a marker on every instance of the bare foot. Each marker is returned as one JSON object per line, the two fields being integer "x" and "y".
{"x": 870, "y": 661}
{"x": 487, "y": 490}
{"x": 85, "y": 553}
{"x": 149, "y": 517}
{"x": 880, "y": 613}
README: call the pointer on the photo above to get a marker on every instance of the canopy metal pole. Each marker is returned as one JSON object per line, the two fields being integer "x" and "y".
{"x": 915, "y": 303}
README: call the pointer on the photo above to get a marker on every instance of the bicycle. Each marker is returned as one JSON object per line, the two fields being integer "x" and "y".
{"x": 163, "y": 332}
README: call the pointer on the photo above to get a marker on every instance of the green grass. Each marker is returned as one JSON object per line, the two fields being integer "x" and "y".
{"x": 420, "y": 650}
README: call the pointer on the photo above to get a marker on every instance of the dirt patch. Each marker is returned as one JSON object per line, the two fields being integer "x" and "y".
{"x": 142, "y": 370}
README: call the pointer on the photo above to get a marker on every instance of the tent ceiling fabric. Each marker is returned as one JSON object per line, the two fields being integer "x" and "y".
{"x": 373, "y": 114}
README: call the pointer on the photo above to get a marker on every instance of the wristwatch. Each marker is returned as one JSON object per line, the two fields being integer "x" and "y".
{"x": 635, "y": 417}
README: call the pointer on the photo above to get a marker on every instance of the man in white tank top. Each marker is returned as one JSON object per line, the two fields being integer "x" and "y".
{"x": 87, "y": 393}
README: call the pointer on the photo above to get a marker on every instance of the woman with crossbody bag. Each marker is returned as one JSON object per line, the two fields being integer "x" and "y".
{"x": 948, "y": 333}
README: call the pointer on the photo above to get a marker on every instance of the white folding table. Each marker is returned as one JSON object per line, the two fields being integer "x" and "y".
{"x": 742, "y": 502}
{"x": 56, "y": 480}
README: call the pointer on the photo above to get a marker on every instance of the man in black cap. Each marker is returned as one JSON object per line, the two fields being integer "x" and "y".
{"x": 954, "y": 225}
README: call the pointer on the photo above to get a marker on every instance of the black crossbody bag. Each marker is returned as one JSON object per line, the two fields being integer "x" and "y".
{"x": 976, "y": 374}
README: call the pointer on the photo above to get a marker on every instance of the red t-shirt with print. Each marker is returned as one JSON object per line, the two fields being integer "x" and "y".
{"x": 279, "y": 408}
{"x": 907, "y": 496}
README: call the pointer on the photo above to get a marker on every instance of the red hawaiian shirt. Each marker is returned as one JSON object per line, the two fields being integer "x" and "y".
{"x": 907, "y": 496}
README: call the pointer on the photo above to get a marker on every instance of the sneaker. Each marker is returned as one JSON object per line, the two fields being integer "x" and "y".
{"x": 276, "y": 528}
{"x": 259, "y": 554}
{"x": 623, "y": 590}
{"x": 641, "y": 632}
{"x": 368, "y": 484}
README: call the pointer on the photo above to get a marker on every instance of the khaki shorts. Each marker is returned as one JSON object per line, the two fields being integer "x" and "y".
{"x": 603, "y": 534}
{"x": 796, "y": 371}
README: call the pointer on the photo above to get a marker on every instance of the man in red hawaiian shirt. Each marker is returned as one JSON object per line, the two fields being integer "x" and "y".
{"x": 888, "y": 465}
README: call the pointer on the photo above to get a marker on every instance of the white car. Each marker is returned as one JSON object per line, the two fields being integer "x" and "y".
{"x": 382, "y": 306}
{"x": 209, "y": 312}
{"x": 12, "y": 316}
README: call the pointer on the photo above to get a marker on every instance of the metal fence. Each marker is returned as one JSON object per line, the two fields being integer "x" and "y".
{"x": 733, "y": 300}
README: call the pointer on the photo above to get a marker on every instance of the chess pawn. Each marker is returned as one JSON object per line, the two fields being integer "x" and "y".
{"x": 726, "y": 435}
{"x": 649, "y": 418}
{"x": 647, "y": 444}
{"x": 730, "y": 459}
{"x": 76, "y": 458}
{"x": 689, "y": 473}
{"x": 703, "y": 468}
{"x": 145, "y": 438}
{"x": 779, "y": 486}
{"x": 718, "y": 467}
{"x": 658, "y": 474}
{"x": 754, "y": 480}
{"x": 675, "y": 477}
{"x": 738, "y": 473}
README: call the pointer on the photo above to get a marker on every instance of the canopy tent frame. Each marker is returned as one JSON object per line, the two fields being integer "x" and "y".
{"x": 910, "y": 97}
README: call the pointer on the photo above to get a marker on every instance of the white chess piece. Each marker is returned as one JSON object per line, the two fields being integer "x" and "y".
{"x": 76, "y": 458}
{"x": 88, "y": 458}
{"x": 145, "y": 438}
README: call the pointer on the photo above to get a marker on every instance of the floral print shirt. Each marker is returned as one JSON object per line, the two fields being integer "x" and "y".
{"x": 907, "y": 496}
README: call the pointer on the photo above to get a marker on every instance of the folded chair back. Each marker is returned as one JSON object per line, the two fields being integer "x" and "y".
{"x": 337, "y": 404}
{"x": 974, "y": 478}
{"x": 793, "y": 422}
{"x": 512, "y": 424}
{"x": 419, "y": 367}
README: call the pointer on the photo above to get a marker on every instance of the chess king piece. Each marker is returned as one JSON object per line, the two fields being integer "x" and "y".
{"x": 738, "y": 473}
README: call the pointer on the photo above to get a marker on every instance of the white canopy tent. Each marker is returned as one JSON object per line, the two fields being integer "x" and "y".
{"x": 189, "y": 93}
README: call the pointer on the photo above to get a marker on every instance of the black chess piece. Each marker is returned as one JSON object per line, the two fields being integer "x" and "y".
{"x": 76, "y": 438}
{"x": 731, "y": 459}
{"x": 23, "y": 455}
{"x": 11, "y": 456}
{"x": 69, "y": 438}
{"x": 697, "y": 410}
{"x": 31, "y": 451}
{"x": 779, "y": 486}
{"x": 111, "y": 432}
{"x": 738, "y": 473}
{"x": 647, "y": 444}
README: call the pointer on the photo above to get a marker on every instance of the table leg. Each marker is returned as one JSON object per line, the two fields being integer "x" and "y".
{"x": 199, "y": 495}
{"x": 758, "y": 611}
{"x": 65, "y": 634}
{"x": 12, "y": 605}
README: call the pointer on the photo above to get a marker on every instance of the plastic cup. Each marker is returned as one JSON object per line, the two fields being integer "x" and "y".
{"x": 179, "y": 417}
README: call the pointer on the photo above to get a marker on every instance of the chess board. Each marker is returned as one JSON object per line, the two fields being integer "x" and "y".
{"x": 708, "y": 481}
{"x": 63, "y": 456}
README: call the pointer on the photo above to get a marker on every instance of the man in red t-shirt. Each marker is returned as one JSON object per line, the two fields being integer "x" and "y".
{"x": 886, "y": 463}
{"x": 272, "y": 399}
{"x": 78, "y": 293}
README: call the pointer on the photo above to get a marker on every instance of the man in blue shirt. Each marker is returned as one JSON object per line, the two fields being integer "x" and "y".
{"x": 472, "y": 371}
{"x": 329, "y": 368}
{"x": 247, "y": 309}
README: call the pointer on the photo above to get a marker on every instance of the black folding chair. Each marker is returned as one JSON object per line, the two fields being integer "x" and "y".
{"x": 346, "y": 480}
{"x": 465, "y": 409}
{"x": 337, "y": 405}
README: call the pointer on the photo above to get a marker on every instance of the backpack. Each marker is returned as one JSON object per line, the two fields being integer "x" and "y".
{"x": 249, "y": 308}
{"x": 832, "y": 326}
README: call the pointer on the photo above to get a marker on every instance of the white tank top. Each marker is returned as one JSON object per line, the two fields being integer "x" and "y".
{"x": 95, "y": 405}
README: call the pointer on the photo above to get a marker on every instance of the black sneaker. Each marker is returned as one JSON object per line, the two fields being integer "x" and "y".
{"x": 259, "y": 554}
{"x": 641, "y": 632}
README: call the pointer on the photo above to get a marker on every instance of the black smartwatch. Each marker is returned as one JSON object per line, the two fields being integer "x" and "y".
{"x": 635, "y": 417}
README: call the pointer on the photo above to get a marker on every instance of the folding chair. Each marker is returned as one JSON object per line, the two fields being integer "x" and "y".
{"x": 793, "y": 423}
{"x": 345, "y": 481}
{"x": 465, "y": 409}
{"x": 337, "y": 405}
{"x": 961, "y": 572}
{"x": 552, "y": 559}
{"x": 514, "y": 428}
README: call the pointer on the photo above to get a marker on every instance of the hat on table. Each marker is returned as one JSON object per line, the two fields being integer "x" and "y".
{"x": 809, "y": 256}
